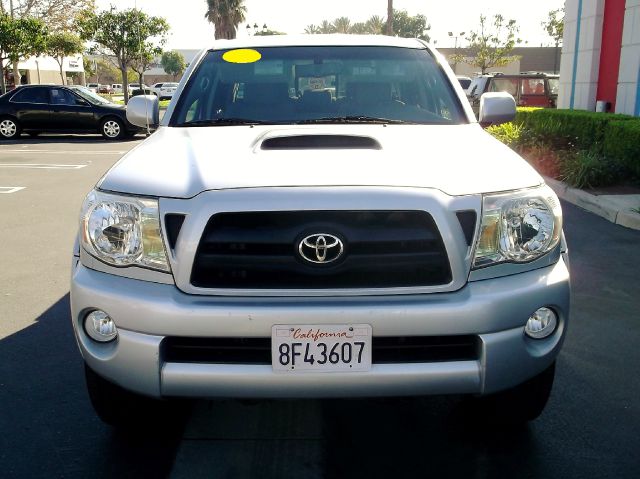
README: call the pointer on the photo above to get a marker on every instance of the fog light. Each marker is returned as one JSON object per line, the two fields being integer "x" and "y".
{"x": 99, "y": 326}
{"x": 541, "y": 323}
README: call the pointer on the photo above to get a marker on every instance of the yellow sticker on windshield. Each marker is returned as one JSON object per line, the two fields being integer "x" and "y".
{"x": 243, "y": 55}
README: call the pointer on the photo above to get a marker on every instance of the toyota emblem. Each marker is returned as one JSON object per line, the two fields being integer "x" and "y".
{"x": 321, "y": 248}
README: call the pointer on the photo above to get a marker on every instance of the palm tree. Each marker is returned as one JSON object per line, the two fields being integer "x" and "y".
{"x": 375, "y": 25}
{"x": 326, "y": 27}
{"x": 359, "y": 28}
{"x": 312, "y": 29}
{"x": 342, "y": 25}
{"x": 225, "y": 15}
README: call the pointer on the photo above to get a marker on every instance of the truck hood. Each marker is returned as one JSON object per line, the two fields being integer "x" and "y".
{"x": 183, "y": 162}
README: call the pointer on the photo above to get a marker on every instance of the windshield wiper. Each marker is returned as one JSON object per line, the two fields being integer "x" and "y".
{"x": 223, "y": 121}
{"x": 353, "y": 119}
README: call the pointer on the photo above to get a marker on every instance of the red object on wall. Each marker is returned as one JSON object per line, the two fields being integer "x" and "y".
{"x": 610, "y": 51}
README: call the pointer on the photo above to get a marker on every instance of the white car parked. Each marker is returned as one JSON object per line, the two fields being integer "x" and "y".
{"x": 164, "y": 91}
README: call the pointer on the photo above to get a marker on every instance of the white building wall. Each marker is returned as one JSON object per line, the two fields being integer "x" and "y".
{"x": 582, "y": 89}
{"x": 627, "y": 100}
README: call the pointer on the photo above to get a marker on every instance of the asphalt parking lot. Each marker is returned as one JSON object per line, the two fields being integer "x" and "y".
{"x": 48, "y": 429}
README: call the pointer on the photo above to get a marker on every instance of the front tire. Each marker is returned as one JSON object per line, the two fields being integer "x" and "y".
{"x": 9, "y": 128}
{"x": 118, "y": 407}
{"x": 113, "y": 129}
{"x": 521, "y": 404}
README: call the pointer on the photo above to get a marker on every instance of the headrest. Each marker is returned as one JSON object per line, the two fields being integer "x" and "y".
{"x": 368, "y": 92}
{"x": 316, "y": 98}
{"x": 266, "y": 93}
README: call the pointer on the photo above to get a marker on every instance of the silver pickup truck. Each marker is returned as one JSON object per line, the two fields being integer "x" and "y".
{"x": 320, "y": 216}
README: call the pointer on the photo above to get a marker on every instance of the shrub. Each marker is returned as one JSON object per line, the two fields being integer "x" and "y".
{"x": 586, "y": 149}
{"x": 588, "y": 169}
{"x": 507, "y": 133}
{"x": 567, "y": 128}
{"x": 523, "y": 112}
{"x": 622, "y": 144}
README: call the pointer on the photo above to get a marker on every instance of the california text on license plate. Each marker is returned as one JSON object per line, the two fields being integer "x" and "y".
{"x": 323, "y": 348}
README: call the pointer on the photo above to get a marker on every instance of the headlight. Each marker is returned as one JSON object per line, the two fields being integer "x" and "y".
{"x": 123, "y": 231}
{"x": 518, "y": 227}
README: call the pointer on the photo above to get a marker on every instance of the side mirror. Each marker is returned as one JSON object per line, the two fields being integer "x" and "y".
{"x": 143, "y": 111}
{"x": 496, "y": 108}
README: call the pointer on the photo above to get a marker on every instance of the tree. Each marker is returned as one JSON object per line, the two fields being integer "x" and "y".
{"x": 408, "y": 26}
{"x": 404, "y": 25}
{"x": 56, "y": 14}
{"x": 358, "y": 28}
{"x": 90, "y": 68}
{"x": 122, "y": 35}
{"x": 173, "y": 63}
{"x": 104, "y": 71}
{"x": 554, "y": 26}
{"x": 492, "y": 44}
{"x": 375, "y": 25}
{"x": 19, "y": 38}
{"x": 61, "y": 45}
{"x": 389, "y": 23}
{"x": 144, "y": 59}
{"x": 225, "y": 15}
{"x": 342, "y": 25}
{"x": 312, "y": 29}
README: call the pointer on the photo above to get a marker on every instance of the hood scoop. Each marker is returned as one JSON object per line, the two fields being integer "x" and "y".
{"x": 320, "y": 142}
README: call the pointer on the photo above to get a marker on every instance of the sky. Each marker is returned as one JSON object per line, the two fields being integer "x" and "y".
{"x": 189, "y": 29}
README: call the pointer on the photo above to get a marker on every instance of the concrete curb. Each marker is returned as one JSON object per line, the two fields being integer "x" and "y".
{"x": 617, "y": 209}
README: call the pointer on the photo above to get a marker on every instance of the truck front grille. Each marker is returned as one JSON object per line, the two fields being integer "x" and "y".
{"x": 385, "y": 350}
{"x": 260, "y": 250}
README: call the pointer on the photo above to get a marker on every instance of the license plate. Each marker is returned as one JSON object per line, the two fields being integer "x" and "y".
{"x": 321, "y": 348}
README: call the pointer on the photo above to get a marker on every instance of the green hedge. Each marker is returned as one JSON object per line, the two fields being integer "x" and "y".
{"x": 593, "y": 149}
{"x": 622, "y": 144}
{"x": 584, "y": 129}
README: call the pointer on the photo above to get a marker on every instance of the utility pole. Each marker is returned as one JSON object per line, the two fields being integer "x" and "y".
{"x": 390, "y": 17}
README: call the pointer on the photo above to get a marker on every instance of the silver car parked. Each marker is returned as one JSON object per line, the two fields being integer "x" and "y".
{"x": 320, "y": 216}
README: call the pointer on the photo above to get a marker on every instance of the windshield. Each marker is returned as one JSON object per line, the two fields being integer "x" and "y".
{"x": 90, "y": 96}
{"x": 288, "y": 85}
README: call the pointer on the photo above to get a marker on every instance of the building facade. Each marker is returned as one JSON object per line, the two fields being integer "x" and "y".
{"x": 600, "y": 63}
{"x": 43, "y": 70}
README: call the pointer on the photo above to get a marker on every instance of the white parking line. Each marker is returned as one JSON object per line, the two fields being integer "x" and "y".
{"x": 66, "y": 152}
{"x": 11, "y": 189}
{"x": 41, "y": 166}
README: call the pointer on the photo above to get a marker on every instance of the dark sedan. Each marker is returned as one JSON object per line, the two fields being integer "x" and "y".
{"x": 59, "y": 109}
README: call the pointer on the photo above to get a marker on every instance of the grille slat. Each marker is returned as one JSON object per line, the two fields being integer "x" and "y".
{"x": 382, "y": 249}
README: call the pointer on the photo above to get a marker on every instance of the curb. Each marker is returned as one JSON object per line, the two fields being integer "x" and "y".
{"x": 614, "y": 211}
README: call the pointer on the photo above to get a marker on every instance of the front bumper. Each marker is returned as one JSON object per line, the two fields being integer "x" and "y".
{"x": 495, "y": 310}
